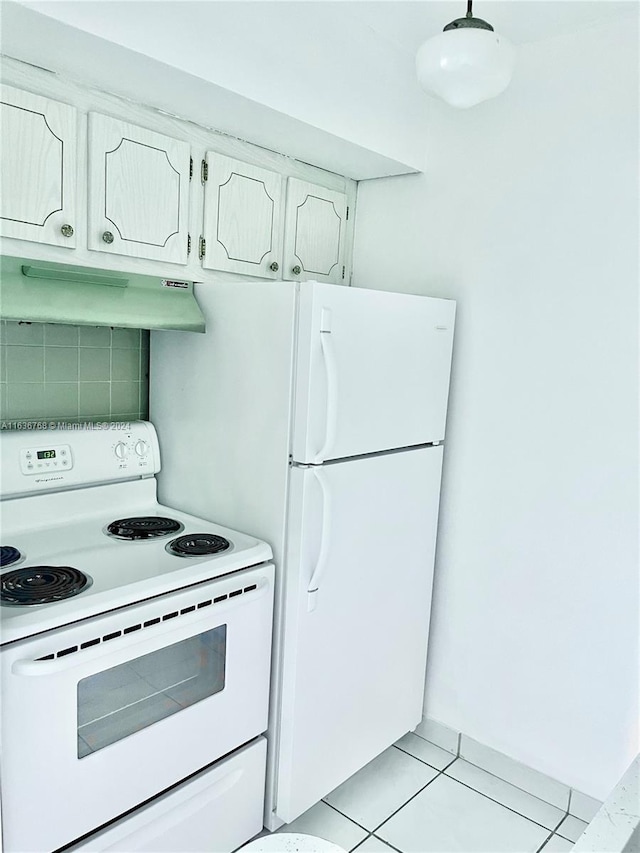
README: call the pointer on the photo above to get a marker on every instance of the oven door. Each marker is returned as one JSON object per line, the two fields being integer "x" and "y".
{"x": 102, "y": 715}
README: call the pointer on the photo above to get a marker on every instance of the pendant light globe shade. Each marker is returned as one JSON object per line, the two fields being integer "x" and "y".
{"x": 465, "y": 66}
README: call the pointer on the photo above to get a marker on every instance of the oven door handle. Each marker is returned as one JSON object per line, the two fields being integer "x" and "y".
{"x": 52, "y": 667}
{"x": 127, "y": 640}
{"x": 131, "y": 650}
{"x": 136, "y": 645}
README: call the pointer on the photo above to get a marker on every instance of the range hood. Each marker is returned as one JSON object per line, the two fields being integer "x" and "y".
{"x": 43, "y": 292}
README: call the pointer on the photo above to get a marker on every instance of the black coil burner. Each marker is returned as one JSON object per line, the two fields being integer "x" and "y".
{"x": 198, "y": 545}
{"x": 9, "y": 555}
{"x": 41, "y": 584}
{"x": 144, "y": 527}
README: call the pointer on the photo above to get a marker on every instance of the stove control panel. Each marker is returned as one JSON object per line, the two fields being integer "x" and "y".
{"x": 42, "y": 460}
{"x": 51, "y": 459}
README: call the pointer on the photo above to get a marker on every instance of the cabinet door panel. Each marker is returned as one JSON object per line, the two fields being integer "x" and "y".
{"x": 242, "y": 217}
{"x": 138, "y": 191}
{"x": 314, "y": 232}
{"x": 38, "y": 173}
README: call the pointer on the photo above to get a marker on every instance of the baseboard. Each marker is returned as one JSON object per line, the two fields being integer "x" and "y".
{"x": 526, "y": 778}
{"x": 438, "y": 733}
{"x": 583, "y": 806}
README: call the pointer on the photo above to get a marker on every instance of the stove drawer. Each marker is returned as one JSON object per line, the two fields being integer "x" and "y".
{"x": 216, "y": 810}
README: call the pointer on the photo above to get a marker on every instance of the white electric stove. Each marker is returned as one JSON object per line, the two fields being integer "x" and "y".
{"x": 135, "y": 649}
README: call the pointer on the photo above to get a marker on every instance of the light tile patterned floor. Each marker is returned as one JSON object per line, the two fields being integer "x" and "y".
{"x": 418, "y": 798}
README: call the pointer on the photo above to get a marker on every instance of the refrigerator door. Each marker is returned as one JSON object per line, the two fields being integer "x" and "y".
{"x": 372, "y": 371}
{"x": 358, "y": 578}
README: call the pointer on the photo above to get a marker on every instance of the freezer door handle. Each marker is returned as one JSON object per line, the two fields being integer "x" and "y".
{"x": 329, "y": 357}
{"x": 325, "y": 535}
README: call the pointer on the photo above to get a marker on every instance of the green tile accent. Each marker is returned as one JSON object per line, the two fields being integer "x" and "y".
{"x": 95, "y": 336}
{"x": 94, "y": 399}
{"x": 125, "y": 397}
{"x": 27, "y": 334}
{"x": 25, "y": 400}
{"x": 61, "y": 372}
{"x": 125, "y": 364}
{"x": 61, "y": 399}
{"x": 61, "y": 364}
{"x": 25, "y": 364}
{"x": 95, "y": 364}
{"x": 126, "y": 338}
{"x": 60, "y": 336}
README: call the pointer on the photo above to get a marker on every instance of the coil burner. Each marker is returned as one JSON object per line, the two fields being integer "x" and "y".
{"x": 198, "y": 545}
{"x": 9, "y": 555}
{"x": 41, "y": 584}
{"x": 143, "y": 527}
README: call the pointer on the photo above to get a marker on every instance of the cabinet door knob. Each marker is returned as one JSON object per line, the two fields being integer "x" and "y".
{"x": 274, "y": 266}
{"x": 297, "y": 269}
{"x": 107, "y": 237}
{"x": 67, "y": 230}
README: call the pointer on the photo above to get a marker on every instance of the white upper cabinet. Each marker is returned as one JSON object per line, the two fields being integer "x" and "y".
{"x": 315, "y": 229}
{"x": 38, "y": 171}
{"x": 75, "y": 177}
{"x": 242, "y": 218}
{"x": 138, "y": 191}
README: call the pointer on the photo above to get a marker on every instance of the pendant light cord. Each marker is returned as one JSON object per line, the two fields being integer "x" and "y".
{"x": 469, "y": 12}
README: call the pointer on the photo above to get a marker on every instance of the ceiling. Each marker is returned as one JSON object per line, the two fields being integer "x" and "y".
{"x": 402, "y": 23}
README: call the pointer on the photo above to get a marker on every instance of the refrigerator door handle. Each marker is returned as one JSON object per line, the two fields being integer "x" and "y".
{"x": 325, "y": 535}
{"x": 329, "y": 357}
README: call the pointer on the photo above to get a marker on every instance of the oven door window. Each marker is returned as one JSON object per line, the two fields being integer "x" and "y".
{"x": 120, "y": 701}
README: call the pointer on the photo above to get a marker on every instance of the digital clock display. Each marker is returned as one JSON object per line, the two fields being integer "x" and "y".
{"x": 46, "y": 454}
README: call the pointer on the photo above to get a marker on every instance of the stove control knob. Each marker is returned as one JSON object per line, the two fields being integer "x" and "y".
{"x": 141, "y": 448}
{"x": 121, "y": 450}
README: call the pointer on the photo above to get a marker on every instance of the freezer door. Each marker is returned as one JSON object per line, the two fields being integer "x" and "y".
{"x": 372, "y": 371}
{"x": 358, "y": 580}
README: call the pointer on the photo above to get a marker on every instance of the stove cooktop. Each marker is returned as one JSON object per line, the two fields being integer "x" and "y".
{"x": 32, "y": 585}
{"x": 97, "y": 514}
{"x": 119, "y": 571}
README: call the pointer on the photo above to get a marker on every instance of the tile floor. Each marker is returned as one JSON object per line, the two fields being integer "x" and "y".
{"x": 418, "y": 798}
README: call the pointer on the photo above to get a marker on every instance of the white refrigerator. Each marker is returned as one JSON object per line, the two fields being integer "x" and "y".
{"x": 313, "y": 416}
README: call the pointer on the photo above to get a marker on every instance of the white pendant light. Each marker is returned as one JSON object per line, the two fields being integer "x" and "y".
{"x": 465, "y": 64}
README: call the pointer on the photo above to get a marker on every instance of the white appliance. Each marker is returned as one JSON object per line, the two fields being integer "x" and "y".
{"x": 135, "y": 653}
{"x": 313, "y": 414}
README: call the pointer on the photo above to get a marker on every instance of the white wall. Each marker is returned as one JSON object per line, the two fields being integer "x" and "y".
{"x": 528, "y": 216}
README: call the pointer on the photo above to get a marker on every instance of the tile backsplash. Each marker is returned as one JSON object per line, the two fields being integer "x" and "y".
{"x": 72, "y": 373}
